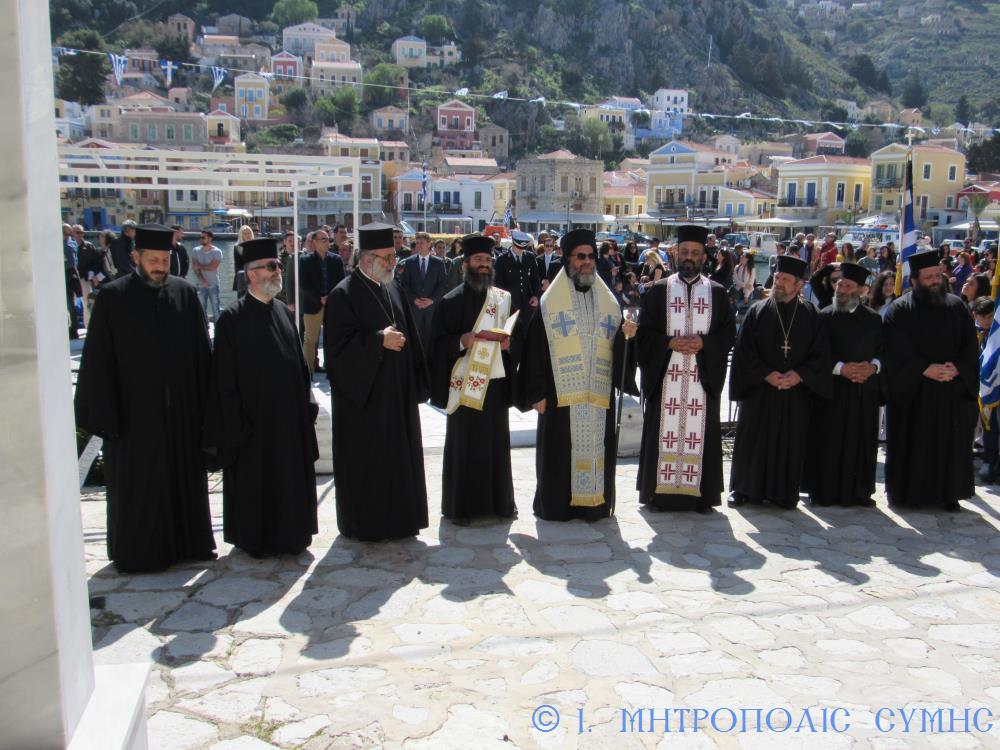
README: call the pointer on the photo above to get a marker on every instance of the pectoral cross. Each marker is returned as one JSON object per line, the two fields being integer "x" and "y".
{"x": 785, "y": 348}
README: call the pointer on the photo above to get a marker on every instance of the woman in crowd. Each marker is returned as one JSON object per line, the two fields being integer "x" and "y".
{"x": 847, "y": 252}
{"x": 886, "y": 259}
{"x": 652, "y": 270}
{"x": 723, "y": 273}
{"x": 976, "y": 285}
{"x": 883, "y": 291}
{"x": 744, "y": 279}
{"x": 631, "y": 255}
{"x": 960, "y": 273}
{"x": 239, "y": 275}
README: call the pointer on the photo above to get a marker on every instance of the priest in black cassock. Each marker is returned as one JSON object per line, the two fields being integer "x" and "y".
{"x": 780, "y": 364}
{"x": 377, "y": 379}
{"x": 572, "y": 364}
{"x": 260, "y": 416}
{"x": 471, "y": 380}
{"x": 686, "y": 329}
{"x": 843, "y": 451}
{"x": 932, "y": 380}
{"x": 142, "y": 387}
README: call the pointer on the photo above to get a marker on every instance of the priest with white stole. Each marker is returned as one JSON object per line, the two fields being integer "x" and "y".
{"x": 471, "y": 379}
{"x": 573, "y": 361}
{"x": 686, "y": 329}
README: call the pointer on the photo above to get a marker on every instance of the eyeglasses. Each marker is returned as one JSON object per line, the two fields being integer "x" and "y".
{"x": 585, "y": 256}
{"x": 321, "y": 239}
{"x": 273, "y": 266}
{"x": 389, "y": 260}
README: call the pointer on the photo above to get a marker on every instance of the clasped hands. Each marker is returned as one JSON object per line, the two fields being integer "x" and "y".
{"x": 393, "y": 339}
{"x": 422, "y": 303}
{"x": 783, "y": 381}
{"x": 468, "y": 339}
{"x": 686, "y": 344}
{"x": 942, "y": 373}
{"x": 857, "y": 372}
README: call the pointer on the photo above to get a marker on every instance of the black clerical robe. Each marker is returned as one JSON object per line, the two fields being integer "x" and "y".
{"x": 929, "y": 425}
{"x": 142, "y": 387}
{"x": 259, "y": 425}
{"x": 773, "y": 425}
{"x": 476, "y": 477}
{"x": 653, "y": 353}
{"x": 378, "y": 462}
{"x": 553, "y": 441}
{"x": 843, "y": 449}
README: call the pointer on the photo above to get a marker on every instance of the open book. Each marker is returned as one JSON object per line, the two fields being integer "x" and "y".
{"x": 498, "y": 334}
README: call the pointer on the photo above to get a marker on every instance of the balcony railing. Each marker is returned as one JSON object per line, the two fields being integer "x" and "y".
{"x": 674, "y": 205}
{"x": 446, "y": 208}
{"x": 888, "y": 182}
{"x": 801, "y": 203}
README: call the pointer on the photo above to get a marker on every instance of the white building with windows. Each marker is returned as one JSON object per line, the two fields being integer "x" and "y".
{"x": 674, "y": 101}
{"x": 302, "y": 39}
{"x": 327, "y": 76}
{"x": 410, "y": 52}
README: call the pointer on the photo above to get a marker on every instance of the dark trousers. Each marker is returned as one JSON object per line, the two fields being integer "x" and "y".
{"x": 991, "y": 443}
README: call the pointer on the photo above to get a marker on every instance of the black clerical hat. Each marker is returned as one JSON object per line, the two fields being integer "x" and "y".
{"x": 261, "y": 248}
{"x": 154, "y": 237}
{"x": 476, "y": 243}
{"x": 925, "y": 259}
{"x": 854, "y": 272}
{"x": 790, "y": 264}
{"x": 692, "y": 233}
{"x": 575, "y": 238}
{"x": 375, "y": 236}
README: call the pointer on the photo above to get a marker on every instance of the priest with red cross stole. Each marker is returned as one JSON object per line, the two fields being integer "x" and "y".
{"x": 471, "y": 379}
{"x": 781, "y": 364}
{"x": 840, "y": 466}
{"x": 686, "y": 329}
{"x": 573, "y": 361}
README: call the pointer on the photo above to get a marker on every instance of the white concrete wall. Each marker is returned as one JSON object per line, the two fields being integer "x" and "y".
{"x": 46, "y": 672}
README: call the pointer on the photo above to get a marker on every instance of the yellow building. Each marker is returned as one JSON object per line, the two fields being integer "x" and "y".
{"x": 615, "y": 117}
{"x": 504, "y": 186}
{"x": 683, "y": 176}
{"x": 938, "y": 175}
{"x": 822, "y": 189}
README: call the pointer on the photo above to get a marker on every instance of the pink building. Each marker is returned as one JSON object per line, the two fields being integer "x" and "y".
{"x": 456, "y": 125}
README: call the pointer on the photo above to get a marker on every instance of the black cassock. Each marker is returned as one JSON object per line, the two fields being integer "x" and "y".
{"x": 476, "y": 478}
{"x": 843, "y": 450}
{"x": 142, "y": 387}
{"x": 773, "y": 425}
{"x": 929, "y": 425}
{"x": 652, "y": 354}
{"x": 259, "y": 424}
{"x": 553, "y": 444}
{"x": 378, "y": 462}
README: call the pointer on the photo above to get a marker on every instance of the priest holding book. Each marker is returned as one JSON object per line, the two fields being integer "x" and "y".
{"x": 471, "y": 379}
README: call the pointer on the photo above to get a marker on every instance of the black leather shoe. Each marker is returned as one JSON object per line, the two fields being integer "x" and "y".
{"x": 737, "y": 500}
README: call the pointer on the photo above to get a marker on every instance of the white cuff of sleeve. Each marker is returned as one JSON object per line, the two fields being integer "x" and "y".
{"x": 878, "y": 366}
{"x": 837, "y": 368}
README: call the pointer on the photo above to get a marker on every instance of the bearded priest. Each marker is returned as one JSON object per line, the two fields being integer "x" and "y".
{"x": 686, "y": 329}
{"x": 471, "y": 380}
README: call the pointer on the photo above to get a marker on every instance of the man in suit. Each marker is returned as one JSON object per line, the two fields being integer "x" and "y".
{"x": 424, "y": 281}
{"x": 516, "y": 271}
{"x": 549, "y": 262}
{"x": 319, "y": 272}
{"x": 121, "y": 249}
{"x": 180, "y": 262}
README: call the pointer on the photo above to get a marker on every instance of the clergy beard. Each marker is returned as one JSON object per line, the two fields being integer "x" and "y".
{"x": 269, "y": 288}
{"x": 931, "y": 295}
{"x": 479, "y": 281}
{"x": 780, "y": 295}
{"x": 846, "y": 303}
{"x": 155, "y": 281}
{"x": 689, "y": 270}
{"x": 580, "y": 280}
{"x": 379, "y": 272}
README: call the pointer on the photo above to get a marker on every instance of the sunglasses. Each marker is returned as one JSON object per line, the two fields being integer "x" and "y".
{"x": 272, "y": 267}
{"x": 585, "y": 256}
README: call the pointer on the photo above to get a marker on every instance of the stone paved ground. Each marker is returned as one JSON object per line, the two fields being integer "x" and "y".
{"x": 452, "y": 640}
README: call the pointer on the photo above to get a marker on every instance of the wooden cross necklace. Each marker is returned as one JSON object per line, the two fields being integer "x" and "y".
{"x": 786, "y": 332}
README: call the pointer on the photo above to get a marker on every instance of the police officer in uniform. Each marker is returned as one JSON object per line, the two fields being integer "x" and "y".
{"x": 516, "y": 271}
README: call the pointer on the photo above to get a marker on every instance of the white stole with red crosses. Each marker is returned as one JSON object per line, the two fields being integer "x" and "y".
{"x": 682, "y": 405}
{"x": 472, "y": 372}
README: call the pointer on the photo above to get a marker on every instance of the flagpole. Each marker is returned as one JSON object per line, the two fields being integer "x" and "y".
{"x": 907, "y": 170}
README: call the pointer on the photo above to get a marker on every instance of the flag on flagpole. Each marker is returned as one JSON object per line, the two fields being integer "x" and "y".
{"x": 462, "y": 92}
{"x": 989, "y": 369}
{"x": 500, "y": 95}
{"x": 118, "y": 63}
{"x": 168, "y": 67}
{"x": 508, "y": 217}
{"x": 423, "y": 184}
{"x": 907, "y": 227}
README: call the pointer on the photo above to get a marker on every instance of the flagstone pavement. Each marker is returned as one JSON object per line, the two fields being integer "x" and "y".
{"x": 478, "y": 637}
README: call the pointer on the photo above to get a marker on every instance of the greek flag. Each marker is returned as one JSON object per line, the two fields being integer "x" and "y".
{"x": 168, "y": 67}
{"x": 508, "y": 216}
{"x": 423, "y": 183}
{"x": 989, "y": 368}
{"x": 907, "y": 227}
{"x": 118, "y": 63}
{"x": 218, "y": 76}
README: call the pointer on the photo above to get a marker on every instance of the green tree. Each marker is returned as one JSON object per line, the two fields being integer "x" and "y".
{"x": 81, "y": 77}
{"x": 68, "y": 15}
{"x": 436, "y": 29}
{"x": 984, "y": 156}
{"x": 589, "y": 137}
{"x": 172, "y": 47}
{"x": 325, "y": 110}
{"x": 962, "y": 113}
{"x": 347, "y": 104}
{"x": 856, "y": 145}
{"x": 296, "y": 102}
{"x": 833, "y": 112}
{"x": 278, "y": 134}
{"x": 382, "y": 76}
{"x": 291, "y": 12}
{"x": 914, "y": 93}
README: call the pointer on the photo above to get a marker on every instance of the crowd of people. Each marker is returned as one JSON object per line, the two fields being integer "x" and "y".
{"x": 477, "y": 330}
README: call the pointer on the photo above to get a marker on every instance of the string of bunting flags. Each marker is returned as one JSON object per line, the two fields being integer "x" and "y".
{"x": 119, "y": 63}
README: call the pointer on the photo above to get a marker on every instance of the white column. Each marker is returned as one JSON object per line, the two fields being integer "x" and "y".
{"x": 47, "y": 677}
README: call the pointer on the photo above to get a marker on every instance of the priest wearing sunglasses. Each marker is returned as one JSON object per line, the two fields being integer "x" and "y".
{"x": 260, "y": 416}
